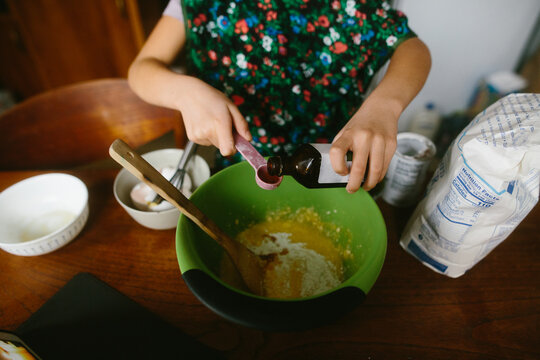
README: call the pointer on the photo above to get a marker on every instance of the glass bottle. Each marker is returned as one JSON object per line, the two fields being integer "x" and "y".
{"x": 310, "y": 166}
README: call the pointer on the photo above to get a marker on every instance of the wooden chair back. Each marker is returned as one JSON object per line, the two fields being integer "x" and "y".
{"x": 75, "y": 125}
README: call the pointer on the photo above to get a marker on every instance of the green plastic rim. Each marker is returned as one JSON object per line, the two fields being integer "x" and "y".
{"x": 234, "y": 201}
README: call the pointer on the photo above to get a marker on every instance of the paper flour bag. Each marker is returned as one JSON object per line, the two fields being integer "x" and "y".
{"x": 484, "y": 187}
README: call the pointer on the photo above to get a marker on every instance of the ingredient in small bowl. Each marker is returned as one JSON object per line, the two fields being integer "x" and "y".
{"x": 142, "y": 195}
{"x": 46, "y": 224}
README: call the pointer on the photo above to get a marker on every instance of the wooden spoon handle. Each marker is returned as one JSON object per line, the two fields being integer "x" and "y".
{"x": 142, "y": 170}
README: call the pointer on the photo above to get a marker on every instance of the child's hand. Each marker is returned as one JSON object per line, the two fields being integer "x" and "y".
{"x": 371, "y": 135}
{"x": 209, "y": 116}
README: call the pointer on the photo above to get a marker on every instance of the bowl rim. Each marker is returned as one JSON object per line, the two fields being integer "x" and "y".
{"x": 61, "y": 229}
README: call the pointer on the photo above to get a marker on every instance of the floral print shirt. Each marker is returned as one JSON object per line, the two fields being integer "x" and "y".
{"x": 296, "y": 69}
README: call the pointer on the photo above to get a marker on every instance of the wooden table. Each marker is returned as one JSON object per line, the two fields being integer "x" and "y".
{"x": 411, "y": 312}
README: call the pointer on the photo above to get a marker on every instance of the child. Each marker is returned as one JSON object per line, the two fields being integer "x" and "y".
{"x": 287, "y": 72}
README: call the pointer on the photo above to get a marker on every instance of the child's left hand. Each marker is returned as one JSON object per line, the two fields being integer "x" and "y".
{"x": 371, "y": 136}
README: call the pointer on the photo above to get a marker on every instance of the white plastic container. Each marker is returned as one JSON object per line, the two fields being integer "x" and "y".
{"x": 426, "y": 122}
{"x": 407, "y": 171}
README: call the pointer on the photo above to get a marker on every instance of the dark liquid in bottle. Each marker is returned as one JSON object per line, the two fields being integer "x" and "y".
{"x": 304, "y": 166}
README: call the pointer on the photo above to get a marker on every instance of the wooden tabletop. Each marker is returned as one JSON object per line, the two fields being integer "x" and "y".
{"x": 411, "y": 312}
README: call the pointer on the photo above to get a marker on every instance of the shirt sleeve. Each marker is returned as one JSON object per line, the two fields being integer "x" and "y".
{"x": 395, "y": 27}
{"x": 174, "y": 9}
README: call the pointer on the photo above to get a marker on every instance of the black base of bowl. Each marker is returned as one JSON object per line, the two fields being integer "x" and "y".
{"x": 268, "y": 314}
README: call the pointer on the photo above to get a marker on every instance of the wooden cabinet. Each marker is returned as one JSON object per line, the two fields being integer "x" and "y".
{"x": 49, "y": 43}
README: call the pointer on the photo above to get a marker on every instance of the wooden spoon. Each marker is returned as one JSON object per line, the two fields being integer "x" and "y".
{"x": 250, "y": 266}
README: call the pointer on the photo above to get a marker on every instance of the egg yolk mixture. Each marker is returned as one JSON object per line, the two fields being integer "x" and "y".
{"x": 306, "y": 262}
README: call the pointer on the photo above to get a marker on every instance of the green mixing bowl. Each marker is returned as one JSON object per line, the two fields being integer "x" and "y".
{"x": 234, "y": 201}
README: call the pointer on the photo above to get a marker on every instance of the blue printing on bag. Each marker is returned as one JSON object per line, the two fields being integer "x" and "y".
{"x": 413, "y": 247}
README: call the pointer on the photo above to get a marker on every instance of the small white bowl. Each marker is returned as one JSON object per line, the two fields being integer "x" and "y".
{"x": 41, "y": 214}
{"x": 197, "y": 169}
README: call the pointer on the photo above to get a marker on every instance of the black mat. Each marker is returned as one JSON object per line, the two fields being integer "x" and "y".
{"x": 88, "y": 319}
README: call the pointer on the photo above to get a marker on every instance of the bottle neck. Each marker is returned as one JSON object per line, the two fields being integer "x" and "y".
{"x": 275, "y": 166}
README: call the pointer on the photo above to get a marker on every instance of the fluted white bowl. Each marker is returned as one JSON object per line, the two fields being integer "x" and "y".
{"x": 42, "y": 213}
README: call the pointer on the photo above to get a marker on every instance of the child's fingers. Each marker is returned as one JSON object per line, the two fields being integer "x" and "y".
{"x": 224, "y": 135}
{"x": 390, "y": 149}
{"x": 376, "y": 163}
{"x": 358, "y": 167}
{"x": 337, "y": 154}
{"x": 239, "y": 122}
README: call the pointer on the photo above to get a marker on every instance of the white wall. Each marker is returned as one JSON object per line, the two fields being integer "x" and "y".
{"x": 468, "y": 40}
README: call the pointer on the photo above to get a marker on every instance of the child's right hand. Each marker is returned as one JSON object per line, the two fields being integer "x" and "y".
{"x": 209, "y": 115}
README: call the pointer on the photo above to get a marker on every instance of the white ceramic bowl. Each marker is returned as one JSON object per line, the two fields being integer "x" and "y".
{"x": 42, "y": 213}
{"x": 197, "y": 169}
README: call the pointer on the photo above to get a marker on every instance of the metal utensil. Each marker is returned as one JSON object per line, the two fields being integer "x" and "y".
{"x": 178, "y": 177}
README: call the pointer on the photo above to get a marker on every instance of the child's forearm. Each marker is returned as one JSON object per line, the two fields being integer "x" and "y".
{"x": 151, "y": 78}
{"x": 149, "y": 74}
{"x": 155, "y": 83}
{"x": 405, "y": 77}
